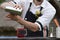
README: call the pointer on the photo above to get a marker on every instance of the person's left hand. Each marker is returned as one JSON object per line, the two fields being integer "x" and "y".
{"x": 13, "y": 17}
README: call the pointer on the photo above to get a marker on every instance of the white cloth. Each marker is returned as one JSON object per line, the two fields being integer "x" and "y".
{"x": 48, "y": 11}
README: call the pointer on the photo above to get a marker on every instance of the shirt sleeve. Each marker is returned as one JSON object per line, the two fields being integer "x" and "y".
{"x": 40, "y": 29}
{"x": 45, "y": 19}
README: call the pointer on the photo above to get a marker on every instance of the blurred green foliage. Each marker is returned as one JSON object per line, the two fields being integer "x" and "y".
{"x": 1, "y": 1}
{"x": 7, "y": 31}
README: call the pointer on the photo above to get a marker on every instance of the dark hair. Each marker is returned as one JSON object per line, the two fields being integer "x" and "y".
{"x": 39, "y": 0}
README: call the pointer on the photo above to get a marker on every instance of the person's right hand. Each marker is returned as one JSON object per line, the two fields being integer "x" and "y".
{"x": 3, "y": 5}
{"x": 17, "y": 6}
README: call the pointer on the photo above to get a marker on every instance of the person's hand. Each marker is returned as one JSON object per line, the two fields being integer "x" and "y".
{"x": 3, "y": 5}
{"x": 17, "y": 6}
{"x": 13, "y": 17}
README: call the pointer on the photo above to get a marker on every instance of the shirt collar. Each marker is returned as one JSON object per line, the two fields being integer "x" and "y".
{"x": 42, "y": 5}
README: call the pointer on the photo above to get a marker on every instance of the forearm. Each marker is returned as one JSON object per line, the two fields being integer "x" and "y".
{"x": 32, "y": 26}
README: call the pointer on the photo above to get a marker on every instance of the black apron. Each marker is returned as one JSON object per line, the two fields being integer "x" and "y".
{"x": 32, "y": 18}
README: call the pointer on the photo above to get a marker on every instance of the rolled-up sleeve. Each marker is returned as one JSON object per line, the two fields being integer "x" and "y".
{"x": 45, "y": 19}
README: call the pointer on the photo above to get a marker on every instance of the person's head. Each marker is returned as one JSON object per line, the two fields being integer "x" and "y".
{"x": 38, "y": 2}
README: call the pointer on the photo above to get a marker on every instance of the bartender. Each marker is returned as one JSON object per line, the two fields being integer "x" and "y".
{"x": 36, "y": 15}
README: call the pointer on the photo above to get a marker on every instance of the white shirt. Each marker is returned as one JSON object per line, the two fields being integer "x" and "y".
{"x": 48, "y": 11}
